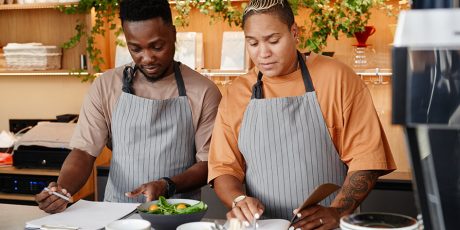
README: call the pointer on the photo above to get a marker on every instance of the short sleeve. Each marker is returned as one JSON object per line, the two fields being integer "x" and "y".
{"x": 205, "y": 124}
{"x": 363, "y": 141}
{"x": 91, "y": 133}
{"x": 224, "y": 155}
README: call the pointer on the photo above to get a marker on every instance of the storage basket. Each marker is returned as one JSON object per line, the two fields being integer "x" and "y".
{"x": 32, "y": 56}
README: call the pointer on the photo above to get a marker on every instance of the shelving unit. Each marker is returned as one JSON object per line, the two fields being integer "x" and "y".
{"x": 33, "y": 6}
{"x": 41, "y": 73}
{"x": 43, "y": 23}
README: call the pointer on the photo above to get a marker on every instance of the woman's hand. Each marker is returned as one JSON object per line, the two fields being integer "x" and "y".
{"x": 51, "y": 203}
{"x": 151, "y": 190}
{"x": 317, "y": 217}
{"x": 246, "y": 210}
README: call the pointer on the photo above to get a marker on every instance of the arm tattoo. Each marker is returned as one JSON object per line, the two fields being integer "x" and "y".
{"x": 355, "y": 188}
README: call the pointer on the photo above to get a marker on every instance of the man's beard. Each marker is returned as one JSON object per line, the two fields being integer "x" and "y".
{"x": 152, "y": 78}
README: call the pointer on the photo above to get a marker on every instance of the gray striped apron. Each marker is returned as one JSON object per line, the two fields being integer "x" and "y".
{"x": 151, "y": 139}
{"x": 287, "y": 149}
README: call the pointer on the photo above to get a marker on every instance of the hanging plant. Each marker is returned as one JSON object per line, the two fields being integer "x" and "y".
{"x": 215, "y": 9}
{"x": 105, "y": 14}
{"x": 326, "y": 18}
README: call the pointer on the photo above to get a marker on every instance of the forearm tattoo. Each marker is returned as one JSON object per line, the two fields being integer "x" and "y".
{"x": 355, "y": 188}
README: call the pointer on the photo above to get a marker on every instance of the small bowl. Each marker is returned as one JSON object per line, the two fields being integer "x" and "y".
{"x": 168, "y": 222}
{"x": 370, "y": 221}
{"x": 129, "y": 224}
{"x": 196, "y": 226}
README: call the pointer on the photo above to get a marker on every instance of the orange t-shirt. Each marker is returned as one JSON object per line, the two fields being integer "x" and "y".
{"x": 346, "y": 105}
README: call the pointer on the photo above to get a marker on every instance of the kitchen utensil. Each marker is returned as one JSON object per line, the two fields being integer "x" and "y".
{"x": 317, "y": 196}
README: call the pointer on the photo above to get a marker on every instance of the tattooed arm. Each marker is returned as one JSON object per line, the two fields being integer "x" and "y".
{"x": 356, "y": 187}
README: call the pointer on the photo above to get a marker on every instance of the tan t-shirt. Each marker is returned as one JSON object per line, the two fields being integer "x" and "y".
{"x": 346, "y": 105}
{"x": 94, "y": 124}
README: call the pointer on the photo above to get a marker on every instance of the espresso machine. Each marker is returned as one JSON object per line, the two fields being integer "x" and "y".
{"x": 426, "y": 102}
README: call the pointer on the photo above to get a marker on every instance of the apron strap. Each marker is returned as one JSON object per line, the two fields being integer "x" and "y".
{"x": 305, "y": 74}
{"x": 179, "y": 80}
{"x": 129, "y": 72}
{"x": 128, "y": 75}
{"x": 257, "y": 91}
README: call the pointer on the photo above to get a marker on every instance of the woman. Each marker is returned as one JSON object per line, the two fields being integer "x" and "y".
{"x": 291, "y": 124}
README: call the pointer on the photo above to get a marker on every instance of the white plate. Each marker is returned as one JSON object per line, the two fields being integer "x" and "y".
{"x": 129, "y": 224}
{"x": 195, "y": 226}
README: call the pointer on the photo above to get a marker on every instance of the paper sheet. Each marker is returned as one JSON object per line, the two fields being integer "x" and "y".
{"x": 86, "y": 215}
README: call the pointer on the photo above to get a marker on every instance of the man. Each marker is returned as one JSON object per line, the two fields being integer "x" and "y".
{"x": 290, "y": 125}
{"x": 156, "y": 114}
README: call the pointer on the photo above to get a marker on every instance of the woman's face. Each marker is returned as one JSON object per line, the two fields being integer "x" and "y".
{"x": 271, "y": 44}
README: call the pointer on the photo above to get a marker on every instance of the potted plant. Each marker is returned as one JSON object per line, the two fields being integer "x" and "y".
{"x": 332, "y": 19}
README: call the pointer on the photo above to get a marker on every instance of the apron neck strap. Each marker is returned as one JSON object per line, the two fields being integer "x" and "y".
{"x": 129, "y": 72}
{"x": 257, "y": 91}
{"x": 179, "y": 80}
{"x": 305, "y": 74}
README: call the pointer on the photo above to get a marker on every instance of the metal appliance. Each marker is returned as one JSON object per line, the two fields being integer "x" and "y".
{"x": 426, "y": 101}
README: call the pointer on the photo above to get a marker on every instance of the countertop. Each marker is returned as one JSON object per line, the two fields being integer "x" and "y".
{"x": 14, "y": 217}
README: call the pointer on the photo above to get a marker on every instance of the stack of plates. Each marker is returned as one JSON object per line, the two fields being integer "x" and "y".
{"x": 372, "y": 221}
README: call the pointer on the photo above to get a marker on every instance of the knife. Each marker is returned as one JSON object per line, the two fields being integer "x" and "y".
{"x": 320, "y": 193}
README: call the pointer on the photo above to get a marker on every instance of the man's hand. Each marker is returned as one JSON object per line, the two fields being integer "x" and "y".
{"x": 246, "y": 210}
{"x": 151, "y": 190}
{"x": 51, "y": 203}
{"x": 317, "y": 217}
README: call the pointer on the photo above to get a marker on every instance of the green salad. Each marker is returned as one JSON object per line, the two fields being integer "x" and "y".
{"x": 164, "y": 208}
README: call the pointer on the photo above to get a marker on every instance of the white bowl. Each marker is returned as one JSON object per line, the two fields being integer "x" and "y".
{"x": 129, "y": 224}
{"x": 168, "y": 222}
{"x": 381, "y": 221}
{"x": 195, "y": 226}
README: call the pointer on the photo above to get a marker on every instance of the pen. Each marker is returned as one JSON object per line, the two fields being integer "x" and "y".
{"x": 51, "y": 227}
{"x": 57, "y": 194}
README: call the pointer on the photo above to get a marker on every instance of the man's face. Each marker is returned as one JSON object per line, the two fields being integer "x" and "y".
{"x": 271, "y": 44}
{"x": 151, "y": 45}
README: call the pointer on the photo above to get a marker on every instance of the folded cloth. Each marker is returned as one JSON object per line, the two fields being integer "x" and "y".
{"x": 48, "y": 134}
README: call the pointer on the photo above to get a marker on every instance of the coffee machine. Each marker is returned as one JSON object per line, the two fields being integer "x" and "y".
{"x": 426, "y": 102}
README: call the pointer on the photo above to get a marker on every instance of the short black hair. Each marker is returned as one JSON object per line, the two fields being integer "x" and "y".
{"x": 283, "y": 11}
{"x": 141, "y": 10}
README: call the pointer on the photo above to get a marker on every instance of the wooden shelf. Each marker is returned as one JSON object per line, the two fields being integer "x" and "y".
{"x": 33, "y": 6}
{"x": 21, "y": 197}
{"x": 41, "y": 73}
{"x": 221, "y": 73}
{"x": 26, "y": 171}
{"x": 374, "y": 72}
{"x": 174, "y": 2}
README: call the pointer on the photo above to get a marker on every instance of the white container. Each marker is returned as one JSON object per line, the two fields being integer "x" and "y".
{"x": 32, "y": 56}
{"x": 378, "y": 221}
{"x": 129, "y": 224}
